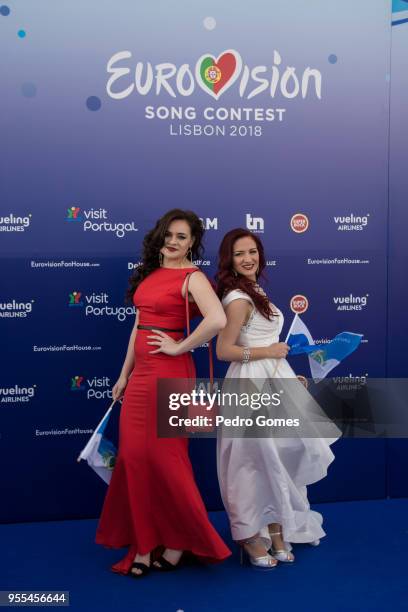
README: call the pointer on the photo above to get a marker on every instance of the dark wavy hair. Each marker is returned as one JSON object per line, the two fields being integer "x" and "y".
{"x": 226, "y": 279}
{"x": 154, "y": 240}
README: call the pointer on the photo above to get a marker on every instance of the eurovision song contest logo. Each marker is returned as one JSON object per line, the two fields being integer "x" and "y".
{"x": 215, "y": 75}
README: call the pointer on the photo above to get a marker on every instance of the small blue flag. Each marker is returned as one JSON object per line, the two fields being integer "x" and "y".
{"x": 322, "y": 357}
{"x": 99, "y": 452}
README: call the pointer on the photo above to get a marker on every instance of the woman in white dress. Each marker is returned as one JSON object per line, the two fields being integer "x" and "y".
{"x": 262, "y": 480}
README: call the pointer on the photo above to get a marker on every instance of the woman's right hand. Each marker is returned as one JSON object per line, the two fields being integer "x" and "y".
{"x": 119, "y": 387}
{"x": 279, "y": 350}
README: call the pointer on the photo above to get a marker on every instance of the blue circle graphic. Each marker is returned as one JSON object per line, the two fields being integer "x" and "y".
{"x": 4, "y": 10}
{"x": 29, "y": 90}
{"x": 93, "y": 103}
{"x": 332, "y": 58}
{"x": 21, "y": 33}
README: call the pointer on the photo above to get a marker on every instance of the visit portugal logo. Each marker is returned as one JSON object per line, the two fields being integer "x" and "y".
{"x": 216, "y": 75}
{"x": 73, "y": 214}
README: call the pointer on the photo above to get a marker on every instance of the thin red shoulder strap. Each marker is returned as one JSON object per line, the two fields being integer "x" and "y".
{"x": 210, "y": 356}
{"x": 187, "y": 279}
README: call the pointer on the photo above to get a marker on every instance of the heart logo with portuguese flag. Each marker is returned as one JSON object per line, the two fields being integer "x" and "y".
{"x": 216, "y": 75}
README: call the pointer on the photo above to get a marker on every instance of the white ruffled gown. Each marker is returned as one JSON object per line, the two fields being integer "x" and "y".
{"x": 263, "y": 480}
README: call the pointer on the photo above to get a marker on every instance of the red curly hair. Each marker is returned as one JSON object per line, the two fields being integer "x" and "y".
{"x": 226, "y": 279}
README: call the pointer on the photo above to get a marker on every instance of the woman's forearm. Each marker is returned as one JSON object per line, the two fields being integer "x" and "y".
{"x": 236, "y": 353}
{"x": 207, "y": 329}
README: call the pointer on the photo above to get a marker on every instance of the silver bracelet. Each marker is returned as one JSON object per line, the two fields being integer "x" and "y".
{"x": 246, "y": 355}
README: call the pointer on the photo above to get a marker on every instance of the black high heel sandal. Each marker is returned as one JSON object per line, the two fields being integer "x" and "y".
{"x": 145, "y": 569}
{"x": 166, "y": 566}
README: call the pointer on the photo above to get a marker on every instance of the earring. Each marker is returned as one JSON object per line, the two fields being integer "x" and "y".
{"x": 235, "y": 273}
{"x": 190, "y": 255}
{"x": 161, "y": 257}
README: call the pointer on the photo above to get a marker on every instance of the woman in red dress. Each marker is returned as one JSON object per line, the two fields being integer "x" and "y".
{"x": 152, "y": 500}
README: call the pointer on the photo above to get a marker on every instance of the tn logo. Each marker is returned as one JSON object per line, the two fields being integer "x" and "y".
{"x": 254, "y": 223}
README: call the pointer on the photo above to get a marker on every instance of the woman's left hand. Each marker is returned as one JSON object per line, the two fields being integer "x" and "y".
{"x": 164, "y": 343}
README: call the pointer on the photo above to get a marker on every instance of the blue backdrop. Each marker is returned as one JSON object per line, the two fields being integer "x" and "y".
{"x": 108, "y": 122}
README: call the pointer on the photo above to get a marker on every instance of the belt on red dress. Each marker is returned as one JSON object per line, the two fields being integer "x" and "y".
{"x": 164, "y": 329}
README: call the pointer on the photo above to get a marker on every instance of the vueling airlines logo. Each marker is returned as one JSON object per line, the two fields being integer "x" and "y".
{"x": 17, "y": 394}
{"x": 351, "y": 302}
{"x": 15, "y": 309}
{"x": 13, "y": 223}
{"x": 351, "y": 222}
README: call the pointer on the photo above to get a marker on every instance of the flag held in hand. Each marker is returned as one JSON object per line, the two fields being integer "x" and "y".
{"x": 322, "y": 357}
{"x": 99, "y": 452}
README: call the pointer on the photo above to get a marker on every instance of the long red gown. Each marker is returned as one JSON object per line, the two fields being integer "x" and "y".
{"x": 152, "y": 498}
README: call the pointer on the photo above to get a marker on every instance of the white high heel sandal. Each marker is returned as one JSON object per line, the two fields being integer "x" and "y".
{"x": 283, "y": 554}
{"x": 265, "y": 562}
